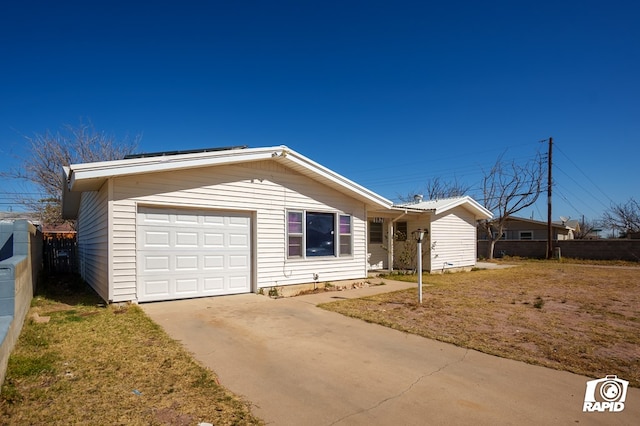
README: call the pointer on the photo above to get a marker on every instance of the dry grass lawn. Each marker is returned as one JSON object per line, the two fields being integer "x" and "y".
{"x": 98, "y": 365}
{"x": 579, "y": 318}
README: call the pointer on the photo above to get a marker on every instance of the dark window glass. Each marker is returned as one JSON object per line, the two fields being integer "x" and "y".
{"x": 401, "y": 231}
{"x": 320, "y": 238}
{"x": 375, "y": 232}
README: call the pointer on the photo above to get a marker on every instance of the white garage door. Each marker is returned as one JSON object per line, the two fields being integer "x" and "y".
{"x": 184, "y": 253}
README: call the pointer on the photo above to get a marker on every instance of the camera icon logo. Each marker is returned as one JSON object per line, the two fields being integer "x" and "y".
{"x": 606, "y": 394}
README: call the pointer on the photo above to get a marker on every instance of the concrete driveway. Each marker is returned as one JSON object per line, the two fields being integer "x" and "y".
{"x": 299, "y": 364}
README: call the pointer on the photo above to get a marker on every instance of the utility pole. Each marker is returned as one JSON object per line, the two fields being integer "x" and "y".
{"x": 549, "y": 184}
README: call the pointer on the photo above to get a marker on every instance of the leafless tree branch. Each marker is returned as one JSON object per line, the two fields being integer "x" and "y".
{"x": 507, "y": 189}
{"x": 625, "y": 217}
{"x": 48, "y": 152}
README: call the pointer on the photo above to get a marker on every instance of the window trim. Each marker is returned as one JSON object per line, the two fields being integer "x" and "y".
{"x": 290, "y": 234}
{"x": 345, "y": 234}
{"x": 337, "y": 252}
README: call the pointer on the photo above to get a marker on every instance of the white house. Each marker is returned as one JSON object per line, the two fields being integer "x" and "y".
{"x": 450, "y": 234}
{"x": 182, "y": 225}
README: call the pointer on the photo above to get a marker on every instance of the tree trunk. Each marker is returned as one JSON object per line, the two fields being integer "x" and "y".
{"x": 492, "y": 245}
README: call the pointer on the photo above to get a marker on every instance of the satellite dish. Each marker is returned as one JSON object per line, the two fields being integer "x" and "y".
{"x": 564, "y": 219}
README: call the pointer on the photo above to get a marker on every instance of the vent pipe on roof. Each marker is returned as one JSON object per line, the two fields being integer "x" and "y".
{"x": 417, "y": 198}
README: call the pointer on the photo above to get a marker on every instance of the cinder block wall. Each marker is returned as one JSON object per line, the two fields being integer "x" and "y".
{"x": 18, "y": 277}
{"x": 576, "y": 249}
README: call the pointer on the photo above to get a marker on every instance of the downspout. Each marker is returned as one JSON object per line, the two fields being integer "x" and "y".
{"x": 390, "y": 254}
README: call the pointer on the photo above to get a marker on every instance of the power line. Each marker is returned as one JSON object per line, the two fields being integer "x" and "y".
{"x": 582, "y": 187}
{"x": 585, "y": 175}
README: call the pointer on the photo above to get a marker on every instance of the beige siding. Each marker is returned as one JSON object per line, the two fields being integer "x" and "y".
{"x": 266, "y": 189}
{"x": 377, "y": 252}
{"x": 453, "y": 240}
{"x": 406, "y": 250}
{"x": 93, "y": 240}
{"x": 514, "y": 227}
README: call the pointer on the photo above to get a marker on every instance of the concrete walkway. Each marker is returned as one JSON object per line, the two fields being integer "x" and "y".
{"x": 299, "y": 364}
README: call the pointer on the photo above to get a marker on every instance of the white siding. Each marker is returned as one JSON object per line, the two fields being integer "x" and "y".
{"x": 453, "y": 237}
{"x": 93, "y": 230}
{"x": 266, "y": 189}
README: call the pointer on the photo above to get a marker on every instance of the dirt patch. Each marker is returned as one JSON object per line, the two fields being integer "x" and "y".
{"x": 568, "y": 317}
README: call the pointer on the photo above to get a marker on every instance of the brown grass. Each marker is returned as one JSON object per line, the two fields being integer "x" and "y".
{"x": 92, "y": 364}
{"x": 578, "y": 318}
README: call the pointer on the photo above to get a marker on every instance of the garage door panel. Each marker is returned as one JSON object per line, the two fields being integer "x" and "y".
{"x": 238, "y": 261}
{"x": 184, "y": 286}
{"x": 156, "y": 263}
{"x": 155, "y": 217}
{"x": 156, "y": 239}
{"x": 157, "y": 287}
{"x": 238, "y": 221}
{"x": 190, "y": 254}
{"x": 213, "y": 220}
{"x": 187, "y": 239}
{"x": 213, "y": 240}
{"x": 186, "y": 263}
{"x": 238, "y": 240}
{"x": 214, "y": 284}
{"x": 186, "y": 219}
{"x": 214, "y": 262}
{"x": 238, "y": 282}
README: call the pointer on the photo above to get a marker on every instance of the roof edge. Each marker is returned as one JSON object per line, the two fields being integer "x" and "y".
{"x": 289, "y": 155}
{"x": 91, "y": 176}
{"x": 445, "y": 204}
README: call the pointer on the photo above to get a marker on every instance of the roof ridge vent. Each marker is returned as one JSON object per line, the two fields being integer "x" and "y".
{"x": 417, "y": 198}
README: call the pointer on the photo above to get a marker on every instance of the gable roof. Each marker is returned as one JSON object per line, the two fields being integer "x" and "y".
{"x": 541, "y": 223}
{"x": 91, "y": 176}
{"x": 446, "y": 204}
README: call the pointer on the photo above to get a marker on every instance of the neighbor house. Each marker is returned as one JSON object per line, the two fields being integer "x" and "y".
{"x": 518, "y": 228}
{"x": 226, "y": 221}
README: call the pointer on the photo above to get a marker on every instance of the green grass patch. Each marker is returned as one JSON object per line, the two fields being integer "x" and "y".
{"x": 97, "y": 364}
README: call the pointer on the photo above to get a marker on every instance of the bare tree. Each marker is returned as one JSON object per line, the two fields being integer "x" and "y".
{"x": 49, "y": 152}
{"x": 507, "y": 189}
{"x": 624, "y": 217}
{"x": 436, "y": 188}
{"x": 585, "y": 229}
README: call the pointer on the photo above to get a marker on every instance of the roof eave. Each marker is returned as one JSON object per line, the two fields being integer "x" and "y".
{"x": 304, "y": 165}
{"x": 91, "y": 176}
{"x": 479, "y": 211}
{"x": 70, "y": 200}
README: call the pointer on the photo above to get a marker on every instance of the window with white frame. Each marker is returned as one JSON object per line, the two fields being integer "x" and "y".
{"x": 294, "y": 234}
{"x": 345, "y": 235}
{"x": 313, "y": 234}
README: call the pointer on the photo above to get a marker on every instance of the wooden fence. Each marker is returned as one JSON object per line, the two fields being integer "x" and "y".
{"x": 60, "y": 253}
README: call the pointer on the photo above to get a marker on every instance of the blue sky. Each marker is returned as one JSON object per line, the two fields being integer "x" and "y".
{"x": 389, "y": 94}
